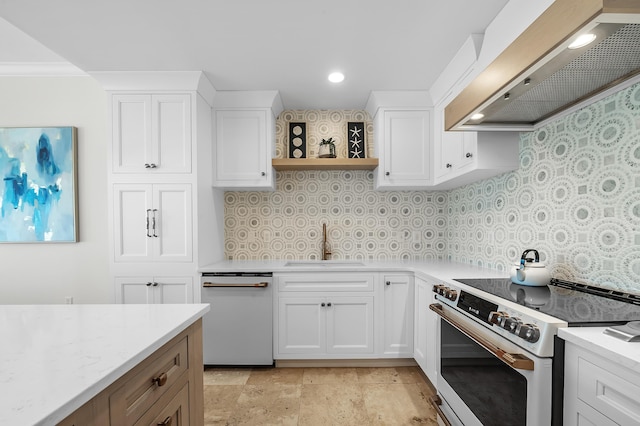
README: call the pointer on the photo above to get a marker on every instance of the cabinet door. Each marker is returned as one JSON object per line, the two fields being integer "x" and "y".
{"x": 151, "y": 133}
{"x": 301, "y": 325}
{"x": 452, "y": 150}
{"x": 173, "y": 290}
{"x": 172, "y": 223}
{"x": 171, "y": 133}
{"x": 398, "y": 315}
{"x": 134, "y": 290}
{"x": 153, "y": 223}
{"x": 169, "y": 410}
{"x": 242, "y": 149}
{"x": 131, "y": 138}
{"x": 349, "y": 325}
{"x": 406, "y": 146}
{"x": 420, "y": 323}
{"x": 132, "y": 206}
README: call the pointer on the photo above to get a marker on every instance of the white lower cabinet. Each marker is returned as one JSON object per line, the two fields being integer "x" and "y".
{"x": 398, "y": 315}
{"x": 598, "y": 391}
{"x": 425, "y": 329}
{"x": 325, "y": 315}
{"x": 144, "y": 290}
{"x": 333, "y": 324}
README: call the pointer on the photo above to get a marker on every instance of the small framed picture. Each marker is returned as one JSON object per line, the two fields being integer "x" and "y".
{"x": 297, "y": 140}
{"x": 356, "y": 140}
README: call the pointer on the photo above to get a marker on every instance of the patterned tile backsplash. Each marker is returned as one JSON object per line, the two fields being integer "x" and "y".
{"x": 575, "y": 198}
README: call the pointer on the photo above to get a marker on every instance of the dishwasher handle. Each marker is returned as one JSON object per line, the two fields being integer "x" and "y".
{"x": 208, "y": 284}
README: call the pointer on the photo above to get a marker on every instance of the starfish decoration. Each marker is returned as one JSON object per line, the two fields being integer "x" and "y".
{"x": 356, "y": 153}
{"x": 355, "y": 132}
{"x": 356, "y": 142}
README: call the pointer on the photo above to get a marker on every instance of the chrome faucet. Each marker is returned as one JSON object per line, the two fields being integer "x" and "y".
{"x": 325, "y": 245}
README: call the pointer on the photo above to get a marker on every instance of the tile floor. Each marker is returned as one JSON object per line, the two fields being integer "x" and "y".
{"x": 317, "y": 396}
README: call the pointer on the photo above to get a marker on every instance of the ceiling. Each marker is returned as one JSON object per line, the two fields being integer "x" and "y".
{"x": 285, "y": 45}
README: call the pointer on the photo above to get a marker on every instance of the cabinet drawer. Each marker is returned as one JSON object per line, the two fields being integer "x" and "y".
{"x": 172, "y": 409}
{"x": 131, "y": 400}
{"x": 611, "y": 394}
{"x": 326, "y": 282}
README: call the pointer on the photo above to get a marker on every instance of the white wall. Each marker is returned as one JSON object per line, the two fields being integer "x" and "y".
{"x": 47, "y": 273}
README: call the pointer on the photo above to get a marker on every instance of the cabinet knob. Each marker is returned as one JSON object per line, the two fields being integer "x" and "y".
{"x": 161, "y": 380}
{"x": 323, "y": 304}
{"x": 263, "y": 174}
{"x": 166, "y": 422}
{"x": 386, "y": 173}
{"x": 155, "y": 284}
{"x": 329, "y": 304}
{"x": 469, "y": 155}
{"x": 147, "y": 165}
{"x": 149, "y": 284}
{"x": 449, "y": 165}
{"x": 388, "y": 283}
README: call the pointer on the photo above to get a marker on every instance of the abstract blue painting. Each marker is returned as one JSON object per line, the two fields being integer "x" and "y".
{"x": 38, "y": 188}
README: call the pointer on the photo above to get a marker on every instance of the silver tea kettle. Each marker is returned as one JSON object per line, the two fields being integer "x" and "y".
{"x": 530, "y": 271}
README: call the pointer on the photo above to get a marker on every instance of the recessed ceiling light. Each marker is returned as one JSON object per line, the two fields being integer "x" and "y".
{"x": 477, "y": 116}
{"x": 336, "y": 77}
{"x": 582, "y": 41}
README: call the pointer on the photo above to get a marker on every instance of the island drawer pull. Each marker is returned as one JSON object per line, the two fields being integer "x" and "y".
{"x": 166, "y": 422}
{"x": 161, "y": 380}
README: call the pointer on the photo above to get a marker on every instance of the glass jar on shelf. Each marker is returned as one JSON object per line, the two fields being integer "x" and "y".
{"x": 327, "y": 149}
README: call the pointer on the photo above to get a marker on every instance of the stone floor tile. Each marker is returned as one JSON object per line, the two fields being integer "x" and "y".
{"x": 220, "y": 403}
{"x": 332, "y": 405}
{"x": 276, "y": 376}
{"x": 226, "y": 376}
{"x": 397, "y": 404}
{"x": 328, "y": 376}
{"x": 267, "y": 405}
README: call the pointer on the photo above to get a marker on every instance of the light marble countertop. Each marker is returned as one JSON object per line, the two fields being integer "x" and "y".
{"x": 624, "y": 354}
{"x": 55, "y": 358}
{"x": 441, "y": 270}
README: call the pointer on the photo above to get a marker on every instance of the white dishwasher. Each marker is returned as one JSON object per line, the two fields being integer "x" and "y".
{"x": 238, "y": 330}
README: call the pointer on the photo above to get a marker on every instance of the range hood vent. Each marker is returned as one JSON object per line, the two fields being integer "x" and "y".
{"x": 537, "y": 77}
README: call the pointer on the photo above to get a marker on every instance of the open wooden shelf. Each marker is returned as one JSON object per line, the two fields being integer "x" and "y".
{"x": 325, "y": 163}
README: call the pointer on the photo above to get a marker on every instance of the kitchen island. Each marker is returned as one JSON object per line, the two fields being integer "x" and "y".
{"x": 59, "y": 359}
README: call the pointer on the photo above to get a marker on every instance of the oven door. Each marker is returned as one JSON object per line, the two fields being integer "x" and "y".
{"x": 483, "y": 379}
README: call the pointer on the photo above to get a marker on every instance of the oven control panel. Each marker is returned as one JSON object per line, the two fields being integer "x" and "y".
{"x": 515, "y": 325}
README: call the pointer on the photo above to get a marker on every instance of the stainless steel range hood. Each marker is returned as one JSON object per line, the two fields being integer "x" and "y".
{"x": 537, "y": 77}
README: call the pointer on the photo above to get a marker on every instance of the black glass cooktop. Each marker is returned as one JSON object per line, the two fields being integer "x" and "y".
{"x": 577, "y": 304}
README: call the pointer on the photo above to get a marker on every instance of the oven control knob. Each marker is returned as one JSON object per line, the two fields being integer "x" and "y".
{"x": 438, "y": 288}
{"x": 511, "y": 324}
{"x": 498, "y": 318}
{"x": 451, "y": 294}
{"x": 529, "y": 332}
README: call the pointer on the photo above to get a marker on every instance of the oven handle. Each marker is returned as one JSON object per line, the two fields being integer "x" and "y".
{"x": 436, "y": 402}
{"x": 259, "y": 285}
{"x": 517, "y": 361}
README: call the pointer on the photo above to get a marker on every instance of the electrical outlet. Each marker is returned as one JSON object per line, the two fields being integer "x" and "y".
{"x": 68, "y": 300}
{"x": 416, "y": 237}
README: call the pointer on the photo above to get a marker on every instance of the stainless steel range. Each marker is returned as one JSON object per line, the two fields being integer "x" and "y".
{"x": 499, "y": 360}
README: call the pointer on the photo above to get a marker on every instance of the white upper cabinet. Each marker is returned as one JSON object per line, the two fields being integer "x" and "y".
{"x": 245, "y": 133}
{"x": 452, "y": 151}
{"x": 243, "y": 152}
{"x": 151, "y": 133}
{"x": 403, "y": 131}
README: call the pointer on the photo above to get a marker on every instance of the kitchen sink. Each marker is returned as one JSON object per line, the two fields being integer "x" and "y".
{"x": 322, "y": 263}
